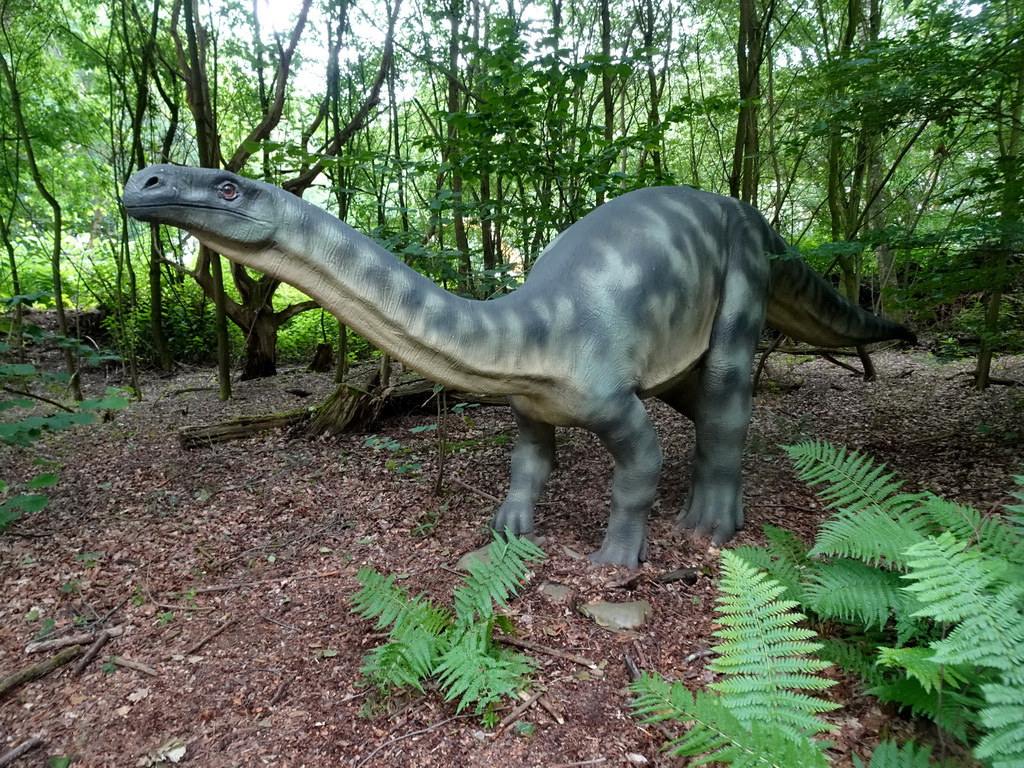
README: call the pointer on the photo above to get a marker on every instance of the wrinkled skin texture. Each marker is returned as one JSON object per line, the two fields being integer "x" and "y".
{"x": 662, "y": 292}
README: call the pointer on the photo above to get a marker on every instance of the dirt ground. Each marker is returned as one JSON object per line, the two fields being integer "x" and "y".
{"x": 228, "y": 570}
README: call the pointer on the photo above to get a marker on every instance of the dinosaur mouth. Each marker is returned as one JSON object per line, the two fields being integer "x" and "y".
{"x": 138, "y": 210}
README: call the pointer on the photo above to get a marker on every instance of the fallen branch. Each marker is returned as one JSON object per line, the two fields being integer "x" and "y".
{"x": 474, "y": 489}
{"x": 195, "y": 648}
{"x": 138, "y": 666}
{"x": 79, "y": 638}
{"x": 527, "y": 645}
{"x": 41, "y": 669}
{"x": 26, "y": 746}
{"x": 101, "y": 639}
{"x": 280, "y": 692}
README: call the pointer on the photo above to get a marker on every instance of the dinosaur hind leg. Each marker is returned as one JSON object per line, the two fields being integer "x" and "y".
{"x": 717, "y": 398}
{"x": 533, "y": 458}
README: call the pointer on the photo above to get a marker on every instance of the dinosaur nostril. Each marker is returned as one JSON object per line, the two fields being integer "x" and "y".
{"x": 152, "y": 181}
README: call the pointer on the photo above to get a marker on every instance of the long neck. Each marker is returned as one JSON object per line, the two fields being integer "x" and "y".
{"x": 462, "y": 343}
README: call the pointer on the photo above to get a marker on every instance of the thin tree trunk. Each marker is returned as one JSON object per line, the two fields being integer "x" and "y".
{"x": 44, "y": 192}
{"x": 1011, "y": 197}
{"x": 208, "y": 142}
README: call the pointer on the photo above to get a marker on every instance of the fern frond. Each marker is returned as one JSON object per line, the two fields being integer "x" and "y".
{"x": 875, "y": 536}
{"x": 1016, "y": 517}
{"x": 1003, "y": 718}
{"x": 765, "y": 657}
{"x": 496, "y": 580}
{"x": 382, "y": 599}
{"x": 853, "y": 481}
{"x": 417, "y": 631}
{"x": 955, "y": 583}
{"x": 851, "y": 591}
{"x": 874, "y": 522}
{"x": 888, "y": 754}
{"x": 854, "y": 657}
{"x": 986, "y": 599}
{"x": 953, "y": 711}
{"x": 919, "y": 663}
{"x": 474, "y": 670}
{"x": 990, "y": 533}
{"x": 784, "y": 558}
{"x": 716, "y": 734}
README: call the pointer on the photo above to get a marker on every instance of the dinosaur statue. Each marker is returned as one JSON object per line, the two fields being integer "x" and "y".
{"x": 662, "y": 292}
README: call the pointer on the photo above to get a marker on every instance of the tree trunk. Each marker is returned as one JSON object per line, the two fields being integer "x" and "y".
{"x": 1009, "y": 165}
{"x": 750, "y": 56}
{"x": 607, "y": 81}
{"x": 58, "y": 233}
{"x": 261, "y": 346}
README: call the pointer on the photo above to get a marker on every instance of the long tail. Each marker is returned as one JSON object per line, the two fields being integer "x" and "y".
{"x": 804, "y": 306}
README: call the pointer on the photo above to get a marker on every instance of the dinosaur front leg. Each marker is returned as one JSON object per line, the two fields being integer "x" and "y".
{"x": 533, "y": 458}
{"x": 628, "y": 435}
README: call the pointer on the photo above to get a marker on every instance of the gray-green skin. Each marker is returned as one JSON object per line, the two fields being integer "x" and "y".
{"x": 662, "y": 292}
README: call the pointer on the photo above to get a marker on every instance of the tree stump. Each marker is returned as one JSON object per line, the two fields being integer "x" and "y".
{"x": 352, "y": 407}
{"x": 323, "y": 359}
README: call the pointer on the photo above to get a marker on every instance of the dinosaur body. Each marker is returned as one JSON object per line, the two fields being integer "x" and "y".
{"x": 660, "y": 292}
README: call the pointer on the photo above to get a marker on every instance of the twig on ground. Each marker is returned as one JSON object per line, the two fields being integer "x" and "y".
{"x": 512, "y": 716}
{"x": 279, "y": 693}
{"x": 409, "y": 736}
{"x": 195, "y": 648}
{"x": 549, "y": 708}
{"x": 632, "y": 671}
{"x": 26, "y": 746}
{"x": 527, "y": 645}
{"x": 41, "y": 669}
{"x": 275, "y": 621}
{"x": 278, "y": 580}
{"x": 595, "y": 761}
{"x": 79, "y": 638}
{"x": 473, "y": 489}
{"x": 101, "y": 639}
{"x": 138, "y": 666}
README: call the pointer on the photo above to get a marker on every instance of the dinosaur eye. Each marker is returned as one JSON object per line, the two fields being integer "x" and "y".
{"x": 228, "y": 190}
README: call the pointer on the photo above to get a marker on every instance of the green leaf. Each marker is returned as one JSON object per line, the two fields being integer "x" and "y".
{"x": 44, "y": 480}
{"x": 17, "y": 369}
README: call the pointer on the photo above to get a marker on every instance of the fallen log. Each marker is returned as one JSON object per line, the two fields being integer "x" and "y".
{"x": 354, "y": 407}
{"x": 236, "y": 429}
{"x": 35, "y": 671}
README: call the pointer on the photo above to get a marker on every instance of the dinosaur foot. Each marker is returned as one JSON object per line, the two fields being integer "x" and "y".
{"x": 516, "y": 521}
{"x": 629, "y": 554}
{"x": 702, "y": 524}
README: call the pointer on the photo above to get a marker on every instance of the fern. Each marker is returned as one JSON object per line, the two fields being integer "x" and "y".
{"x": 966, "y": 574}
{"x": 494, "y": 580}
{"x": 417, "y": 629}
{"x": 758, "y": 717}
{"x": 784, "y": 559}
{"x": 890, "y": 755}
{"x": 455, "y": 648}
{"x": 991, "y": 535}
{"x": 765, "y": 657}
{"x": 716, "y": 734}
{"x": 985, "y": 599}
{"x": 857, "y": 593}
{"x": 1016, "y": 517}
{"x": 874, "y": 523}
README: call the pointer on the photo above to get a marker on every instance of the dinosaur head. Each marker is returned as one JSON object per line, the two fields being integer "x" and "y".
{"x": 224, "y": 211}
